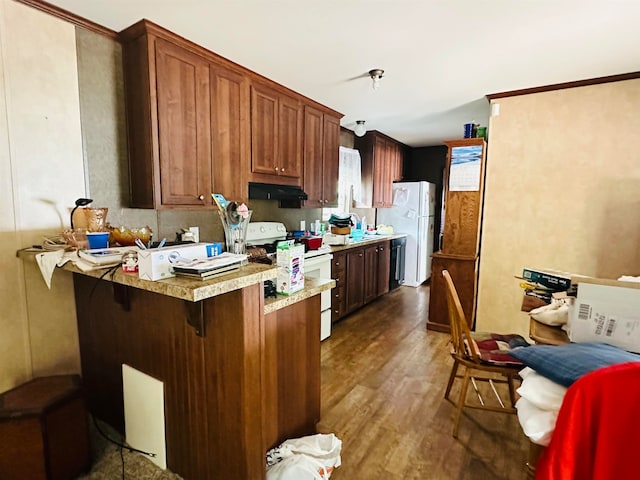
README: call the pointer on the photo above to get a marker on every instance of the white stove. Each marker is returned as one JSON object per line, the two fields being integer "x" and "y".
{"x": 317, "y": 263}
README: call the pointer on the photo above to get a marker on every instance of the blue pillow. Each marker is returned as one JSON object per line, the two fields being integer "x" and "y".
{"x": 564, "y": 364}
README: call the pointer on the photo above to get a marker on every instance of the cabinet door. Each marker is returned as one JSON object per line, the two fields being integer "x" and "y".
{"x": 331, "y": 161}
{"x": 370, "y": 273}
{"x": 464, "y": 272}
{"x": 355, "y": 279}
{"x": 313, "y": 147}
{"x": 289, "y": 159}
{"x": 229, "y": 132}
{"x": 183, "y": 125}
{"x": 339, "y": 293}
{"x": 380, "y": 173}
{"x": 264, "y": 129}
{"x": 384, "y": 266}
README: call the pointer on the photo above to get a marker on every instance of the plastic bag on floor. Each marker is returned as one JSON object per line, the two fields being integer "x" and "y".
{"x": 307, "y": 458}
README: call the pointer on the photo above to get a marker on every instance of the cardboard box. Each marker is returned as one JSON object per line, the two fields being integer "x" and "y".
{"x": 606, "y": 311}
{"x": 155, "y": 263}
{"x": 290, "y": 262}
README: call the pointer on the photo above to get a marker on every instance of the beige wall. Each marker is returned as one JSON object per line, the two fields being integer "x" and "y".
{"x": 42, "y": 173}
{"x": 562, "y": 191}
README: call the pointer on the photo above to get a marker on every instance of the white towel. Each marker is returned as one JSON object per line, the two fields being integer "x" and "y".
{"x": 48, "y": 262}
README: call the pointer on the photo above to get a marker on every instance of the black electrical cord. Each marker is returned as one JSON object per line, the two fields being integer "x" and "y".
{"x": 120, "y": 445}
{"x": 111, "y": 270}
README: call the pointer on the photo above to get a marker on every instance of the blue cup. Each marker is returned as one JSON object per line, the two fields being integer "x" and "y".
{"x": 98, "y": 240}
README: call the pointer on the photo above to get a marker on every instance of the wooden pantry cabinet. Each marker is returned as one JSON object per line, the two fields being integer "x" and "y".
{"x": 198, "y": 123}
{"x": 382, "y": 159}
{"x": 321, "y": 158}
{"x": 464, "y": 192}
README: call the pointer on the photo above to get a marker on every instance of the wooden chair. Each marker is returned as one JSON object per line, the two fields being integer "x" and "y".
{"x": 477, "y": 367}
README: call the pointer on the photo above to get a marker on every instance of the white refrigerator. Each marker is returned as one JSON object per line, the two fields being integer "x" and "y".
{"x": 413, "y": 213}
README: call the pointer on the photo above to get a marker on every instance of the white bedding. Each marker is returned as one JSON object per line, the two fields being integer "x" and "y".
{"x": 538, "y": 406}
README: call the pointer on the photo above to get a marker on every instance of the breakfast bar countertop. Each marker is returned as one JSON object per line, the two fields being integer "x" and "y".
{"x": 368, "y": 240}
{"x": 195, "y": 290}
{"x": 192, "y": 290}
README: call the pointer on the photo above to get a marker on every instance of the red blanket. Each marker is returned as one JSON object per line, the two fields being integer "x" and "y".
{"x": 597, "y": 435}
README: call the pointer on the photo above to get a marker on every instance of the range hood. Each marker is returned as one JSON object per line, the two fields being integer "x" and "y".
{"x": 270, "y": 191}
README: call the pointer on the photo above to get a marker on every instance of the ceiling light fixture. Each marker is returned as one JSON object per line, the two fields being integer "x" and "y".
{"x": 376, "y": 76}
{"x": 360, "y": 129}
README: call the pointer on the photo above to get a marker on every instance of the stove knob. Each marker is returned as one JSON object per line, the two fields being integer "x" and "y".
{"x": 262, "y": 229}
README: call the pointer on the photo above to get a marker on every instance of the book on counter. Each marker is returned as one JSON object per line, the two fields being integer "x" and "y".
{"x": 552, "y": 279}
{"x": 208, "y": 274}
{"x": 206, "y": 267}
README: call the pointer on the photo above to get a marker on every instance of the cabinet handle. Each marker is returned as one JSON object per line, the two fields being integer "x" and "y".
{"x": 282, "y": 169}
{"x": 360, "y": 254}
{"x": 201, "y": 197}
{"x": 276, "y": 169}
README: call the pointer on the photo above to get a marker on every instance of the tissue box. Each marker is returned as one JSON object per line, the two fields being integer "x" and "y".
{"x": 290, "y": 262}
{"x": 155, "y": 263}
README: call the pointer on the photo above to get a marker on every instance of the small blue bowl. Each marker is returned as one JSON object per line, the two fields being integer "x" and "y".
{"x": 357, "y": 234}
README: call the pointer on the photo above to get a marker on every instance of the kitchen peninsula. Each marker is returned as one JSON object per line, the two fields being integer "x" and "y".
{"x": 240, "y": 373}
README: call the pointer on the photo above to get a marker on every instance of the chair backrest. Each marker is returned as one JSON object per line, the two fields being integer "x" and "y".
{"x": 463, "y": 344}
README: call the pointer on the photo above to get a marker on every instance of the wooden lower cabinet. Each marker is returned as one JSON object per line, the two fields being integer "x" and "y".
{"x": 361, "y": 275}
{"x": 464, "y": 272}
{"x": 384, "y": 266}
{"x": 339, "y": 293}
{"x": 355, "y": 279}
{"x": 236, "y": 381}
{"x": 291, "y": 405}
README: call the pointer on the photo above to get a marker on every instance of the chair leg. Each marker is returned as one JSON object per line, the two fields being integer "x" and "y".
{"x": 461, "y": 401}
{"x": 452, "y": 377}
{"x": 512, "y": 391}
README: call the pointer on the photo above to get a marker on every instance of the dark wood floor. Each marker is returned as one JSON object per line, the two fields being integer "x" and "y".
{"x": 383, "y": 381}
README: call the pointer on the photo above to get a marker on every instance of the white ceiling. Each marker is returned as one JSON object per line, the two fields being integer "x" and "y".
{"x": 440, "y": 57}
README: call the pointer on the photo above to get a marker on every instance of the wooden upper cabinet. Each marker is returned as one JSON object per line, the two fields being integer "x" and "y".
{"x": 290, "y": 130}
{"x": 264, "y": 129}
{"x": 321, "y": 158}
{"x": 381, "y": 166}
{"x": 184, "y": 130}
{"x": 313, "y": 146}
{"x": 331, "y": 160}
{"x": 230, "y": 142}
{"x": 381, "y": 173}
{"x": 276, "y": 135}
{"x": 198, "y": 124}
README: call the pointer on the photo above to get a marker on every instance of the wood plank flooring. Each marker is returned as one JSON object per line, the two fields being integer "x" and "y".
{"x": 383, "y": 382}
